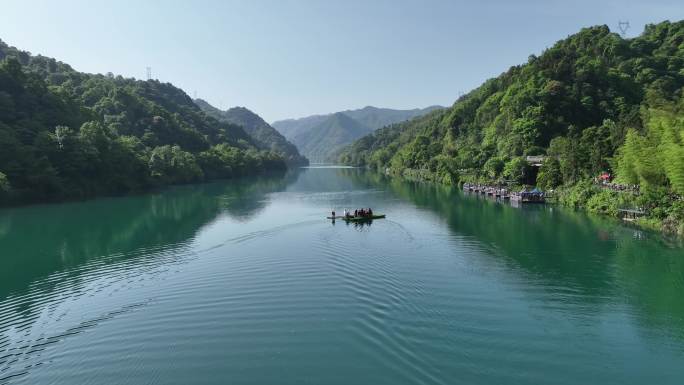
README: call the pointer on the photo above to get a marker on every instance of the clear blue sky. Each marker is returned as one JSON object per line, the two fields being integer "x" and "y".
{"x": 294, "y": 58}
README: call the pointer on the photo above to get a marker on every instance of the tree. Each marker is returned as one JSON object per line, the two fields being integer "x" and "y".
{"x": 656, "y": 158}
{"x": 596, "y": 148}
{"x": 4, "y": 184}
{"x": 170, "y": 164}
{"x": 566, "y": 150}
{"x": 517, "y": 170}
{"x": 549, "y": 176}
{"x": 493, "y": 167}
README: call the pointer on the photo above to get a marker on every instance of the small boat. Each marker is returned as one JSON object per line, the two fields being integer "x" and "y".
{"x": 363, "y": 219}
{"x": 357, "y": 219}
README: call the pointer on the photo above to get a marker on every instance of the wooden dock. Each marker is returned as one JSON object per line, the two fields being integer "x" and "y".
{"x": 631, "y": 215}
{"x": 492, "y": 191}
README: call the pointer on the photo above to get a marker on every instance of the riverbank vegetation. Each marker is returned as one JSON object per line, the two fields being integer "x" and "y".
{"x": 68, "y": 135}
{"x": 593, "y": 103}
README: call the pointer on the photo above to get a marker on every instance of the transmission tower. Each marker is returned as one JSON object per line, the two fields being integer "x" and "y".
{"x": 624, "y": 26}
{"x": 149, "y": 73}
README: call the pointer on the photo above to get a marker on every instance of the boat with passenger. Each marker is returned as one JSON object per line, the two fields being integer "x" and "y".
{"x": 359, "y": 215}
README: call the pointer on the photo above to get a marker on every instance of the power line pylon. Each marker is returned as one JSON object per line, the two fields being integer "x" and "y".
{"x": 624, "y": 26}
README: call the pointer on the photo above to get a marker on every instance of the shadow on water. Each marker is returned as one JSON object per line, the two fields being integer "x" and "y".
{"x": 36, "y": 241}
{"x": 599, "y": 258}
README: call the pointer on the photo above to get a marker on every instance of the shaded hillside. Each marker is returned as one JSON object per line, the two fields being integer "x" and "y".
{"x": 303, "y": 132}
{"x": 265, "y": 136}
{"x": 67, "y": 134}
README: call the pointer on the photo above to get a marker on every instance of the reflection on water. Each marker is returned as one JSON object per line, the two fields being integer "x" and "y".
{"x": 246, "y": 280}
{"x": 359, "y": 226}
{"x": 39, "y": 240}
{"x": 597, "y": 256}
{"x": 73, "y": 250}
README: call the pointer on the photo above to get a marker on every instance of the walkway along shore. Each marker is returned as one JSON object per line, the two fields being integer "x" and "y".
{"x": 523, "y": 196}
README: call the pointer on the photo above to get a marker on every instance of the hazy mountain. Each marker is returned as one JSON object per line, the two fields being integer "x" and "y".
{"x": 293, "y": 127}
{"x": 320, "y": 136}
{"x": 375, "y": 118}
{"x": 326, "y": 137}
{"x": 262, "y": 133}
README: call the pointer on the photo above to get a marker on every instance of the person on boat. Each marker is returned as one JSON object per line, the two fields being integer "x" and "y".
{"x": 356, "y": 212}
{"x": 370, "y": 212}
{"x": 333, "y": 214}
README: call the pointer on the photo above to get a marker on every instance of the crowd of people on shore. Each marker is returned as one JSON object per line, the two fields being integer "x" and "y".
{"x": 605, "y": 180}
{"x": 632, "y": 188}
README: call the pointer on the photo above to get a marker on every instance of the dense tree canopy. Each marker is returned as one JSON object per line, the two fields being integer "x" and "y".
{"x": 579, "y": 102}
{"x": 592, "y": 103}
{"x": 656, "y": 156}
{"x": 66, "y": 134}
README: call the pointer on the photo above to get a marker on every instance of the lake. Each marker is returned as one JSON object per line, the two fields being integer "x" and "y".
{"x": 245, "y": 282}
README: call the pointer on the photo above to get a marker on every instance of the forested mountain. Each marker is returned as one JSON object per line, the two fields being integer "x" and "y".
{"x": 329, "y": 135}
{"x": 293, "y": 127}
{"x": 264, "y": 135}
{"x": 308, "y": 133}
{"x": 67, "y": 134}
{"x": 374, "y": 117}
{"x": 593, "y": 102}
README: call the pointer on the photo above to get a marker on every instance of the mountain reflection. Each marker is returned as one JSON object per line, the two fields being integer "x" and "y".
{"x": 598, "y": 257}
{"x": 36, "y": 241}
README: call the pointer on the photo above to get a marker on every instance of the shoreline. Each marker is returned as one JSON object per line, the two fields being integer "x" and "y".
{"x": 580, "y": 196}
{"x": 142, "y": 191}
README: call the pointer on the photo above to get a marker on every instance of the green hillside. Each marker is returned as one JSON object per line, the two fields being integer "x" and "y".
{"x": 262, "y": 133}
{"x": 66, "y": 134}
{"x": 593, "y": 102}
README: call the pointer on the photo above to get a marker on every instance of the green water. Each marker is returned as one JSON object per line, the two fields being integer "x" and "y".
{"x": 246, "y": 283}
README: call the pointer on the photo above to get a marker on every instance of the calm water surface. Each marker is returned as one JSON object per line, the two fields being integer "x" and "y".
{"x": 245, "y": 283}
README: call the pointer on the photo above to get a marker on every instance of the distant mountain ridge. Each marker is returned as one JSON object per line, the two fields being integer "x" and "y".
{"x": 329, "y": 135}
{"x": 265, "y": 136}
{"x": 319, "y": 137}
